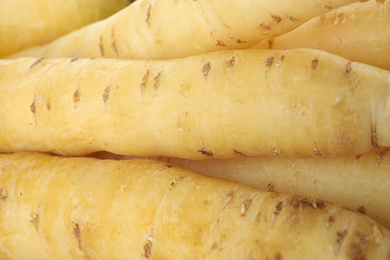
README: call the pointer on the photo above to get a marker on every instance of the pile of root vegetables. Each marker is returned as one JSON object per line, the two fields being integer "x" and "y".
{"x": 202, "y": 129}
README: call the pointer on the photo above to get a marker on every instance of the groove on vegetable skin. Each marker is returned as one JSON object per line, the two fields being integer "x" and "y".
{"x": 144, "y": 81}
{"x": 148, "y": 13}
{"x": 36, "y": 62}
{"x": 113, "y": 42}
{"x": 101, "y": 46}
{"x": 77, "y": 234}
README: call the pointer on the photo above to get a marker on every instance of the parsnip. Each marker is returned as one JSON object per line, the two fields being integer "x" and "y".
{"x": 151, "y": 29}
{"x": 360, "y": 183}
{"x": 255, "y": 102}
{"x": 359, "y": 32}
{"x": 79, "y": 208}
{"x": 26, "y": 23}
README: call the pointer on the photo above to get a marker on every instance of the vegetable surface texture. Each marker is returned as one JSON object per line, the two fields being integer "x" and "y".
{"x": 223, "y": 104}
{"x": 359, "y": 32}
{"x": 164, "y": 29}
{"x": 79, "y": 208}
{"x": 26, "y": 23}
{"x": 363, "y": 180}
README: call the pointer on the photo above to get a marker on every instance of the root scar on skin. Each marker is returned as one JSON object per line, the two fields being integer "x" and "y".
{"x": 148, "y": 13}
{"x": 206, "y": 69}
{"x": 101, "y": 46}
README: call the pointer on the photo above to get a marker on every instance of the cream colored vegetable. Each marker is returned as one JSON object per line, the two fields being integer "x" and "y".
{"x": 78, "y": 208}
{"x": 223, "y": 104}
{"x": 151, "y": 29}
{"x": 358, "y": 182}
{"x": 359, "y": 32}
{"x": 26, "y": 23}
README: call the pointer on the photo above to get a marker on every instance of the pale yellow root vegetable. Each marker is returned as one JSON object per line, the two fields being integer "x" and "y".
{"x": 223, "y": 104}
{"x": 26, "y": 23}
{"x": 79, "y": 208}
{"x": 152, "y": 29}
{"x": 359, "y": 32}
{"x": 360, "y": 183}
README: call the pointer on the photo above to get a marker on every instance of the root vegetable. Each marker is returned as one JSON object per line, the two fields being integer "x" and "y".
{"x": 256, "y": 102}
{"x": 359, "y": 32}
{"x": 150, "y": 29}
{"x": 26, "y": 23}
{"x": 79, "y": 208}
{"x": 358, "y": 182}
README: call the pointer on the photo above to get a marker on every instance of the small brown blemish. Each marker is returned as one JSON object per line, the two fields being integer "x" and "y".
{"x": 275, "y": 151}
{"x": 380, "y": 156}
{"x": 156, "y": 80}
{"x": 206, "y": 69}
{"x": 339, "y": 240}
{"x": 219, "y": 43}
{"x": 270, "y": 43}
{"x": 330, "y": 221}
{"x": 113, "y": 44}
{"x": 76, "y": 96}
{"x": 106, "y": 94}
{"x": 228, "y": 197}
{"x": 292, "y": 18}
{"x": 314, "y": 64}
{"x": 144, "y": 80}
{"x": 76, "y": 232}
{"x": 206, "y": 153}
{"x": 301, "y": 203}
{"x": 278, "y": 208}
{"x": 279, "y": 256}
{"x": 101, "y": 46}
{"x": 33, "y": 107}
{"x": 361, "y": 209}
{"x": 276, "y": 18}
{"x": 316, "y": 151}
{"x": 73, "y": 60}
{"x": 244, "y": 207}
{"x": 176, "y": 181}
{"x": 239, "y": 41}
{"x": 265, "y": 26}
{"x": 230, "y": 63}
{"x": 348, "y": 68}
{"x": 281, "y": 59}
{"x": 3, "y": 194}
{"x": 269, "y": 61}
{"x": 48, "y": 106}
{"x": 214, "y": 246}
{"x": 328, "y": 7}
{"x": 358, "y": 157}
{"x": 35, "y": 220}
{"x": 238, "y": 152}
{"x": 148, "y": 12}
{"x": 36, "y": 62}
{"x": 270, "y": 187}
{"x": 148, "y": 246}
{"x": 358, "y": 248}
